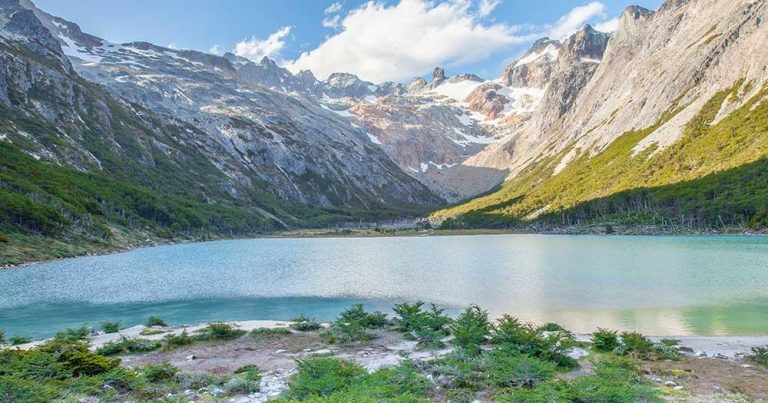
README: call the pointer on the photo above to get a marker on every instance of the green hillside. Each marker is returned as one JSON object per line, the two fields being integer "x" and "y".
{"x": 714, "y": 176}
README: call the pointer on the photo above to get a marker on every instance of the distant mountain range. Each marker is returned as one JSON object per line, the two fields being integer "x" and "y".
{"x": 105, "y": 142}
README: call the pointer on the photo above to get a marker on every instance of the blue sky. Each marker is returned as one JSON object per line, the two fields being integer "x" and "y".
{"x": 384, "y": 40}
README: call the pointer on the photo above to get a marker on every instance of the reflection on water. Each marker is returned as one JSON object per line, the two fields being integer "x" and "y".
{"x": 657, "y": 285}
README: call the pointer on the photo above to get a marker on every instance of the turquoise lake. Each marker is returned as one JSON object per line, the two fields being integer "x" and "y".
{"x": 659, "y": 285}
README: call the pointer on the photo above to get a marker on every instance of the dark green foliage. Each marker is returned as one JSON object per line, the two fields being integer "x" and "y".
{"x": 77, "y": 358}
{"x": 634, "y": 344}
{"x": 353, "y": 325}
{"x": 471, "y": 329}
{"x": 267, "y": 333}
{"x": 304, "y": 323}
{"x": 333, "y": 380}
{"x": 240, "y": 386}
{"x": 16, "y": 340}
{"x": 605, "y": 340}
{"x": 128, "y": 346}
{"x": 249, "y": 372}
{"x": 73, "y": 335}
{"x": 759, "y": 356}
{"x": 552, "y": 327}
{"x": 525, "y": 338}
{"x": 427, "y": 327}
{"x": 197, "y": 380}
{"x": 668, "y": 349}
{"x": 173, "y": 341}
{"x": 110, "y": 327}
{"x": 322, "y": 376}
{"x": 2, "y": 336}
{"x": 611, "y": 382}
{"x": 155, "y": 321}
{"x": 160, "y": 372}
{"x": 506, "y": 370}
{"x": 219, "y": 331}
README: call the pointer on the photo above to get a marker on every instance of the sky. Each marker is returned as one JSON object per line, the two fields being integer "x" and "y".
{"x": 379, "y": 40}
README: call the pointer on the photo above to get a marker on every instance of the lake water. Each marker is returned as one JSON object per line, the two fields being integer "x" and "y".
{"x": 660, "y": 285}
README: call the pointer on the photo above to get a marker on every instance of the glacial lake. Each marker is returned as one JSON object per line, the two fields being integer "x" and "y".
{"x": 659, "y": 285}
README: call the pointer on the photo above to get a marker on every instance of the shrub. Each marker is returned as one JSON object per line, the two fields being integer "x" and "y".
{"x": 128, "y": 346}
{"x": 605, "y": 340}
{"x": 635, "y": 345}
{"x": 524, "y": 338}
{"x": 304, "y": 323}
{"x": 197, "y": 380}
{"x": 357, "y": 314}
{"x": 322, "y": 376}
{"x": 267, "y": 333}
{"x": 16, "y": 340}
{"x": 73, "y": 335}
{"x": 612, "y": 381}
{"x": 518, "y": 370}
{"x": 155, "y": 321}
{"x": 759, "y": 356}
{"x": 2, "y": 336}
{"x": 249, "y": 372}
{"x": 76, "y": 358}
{"x": 410, "y": 317}
{"x": 240, "y": 386}
{"x": 668, "y": 349}
{"x": 110, "y": 327}
{"x": 219, "y": 331}
{"x": 160, "y": 372}
{"x": 173, "y": 341}
{"x": 427, "y": 327}
{"x": 471, "y": 329}
{"x": 346, "y": 333}
{"x": 4, "y": 238}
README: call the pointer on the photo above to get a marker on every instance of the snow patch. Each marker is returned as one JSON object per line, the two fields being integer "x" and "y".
{"x": 458, "y": 91}
{"x": 550, "y": 53}
{"x": 374, "y": 139}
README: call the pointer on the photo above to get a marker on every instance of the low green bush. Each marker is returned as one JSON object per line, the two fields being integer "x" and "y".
{"x": 128, "y": 346}
{"x": 73, "y": 335}
{"x": 219, "y": 331}
{"x": 76, "y": 358}
{"x": 304, "y": 323}
{"x": 249, "y": 372}
{"x": 17, "y": 340}
{"x": 322, "y": 376}
{"x": 155, "y": 321}
{"x": 428, "y": 327}
{"x": 634, "y": 344}
{"x": 525, "y": 338}
{"x": 267, "y": 333}
{"x": 174, "y": 341}
{"x": 197, "y": 380}
{"x": 110, "y": 327}
{"x": 668, "y": 349}
{"x": 605, "y": 340}
{"x": 368, "y": 320}
{"x": 471, "y": 329}
{"x": 240, "y": 386}
{"x": 353, "y": 325}
{"x": 507, "y": 370}
{"x": 160, "y": 372}
{"x": 759, "y": 356}
{"x": 2, "y": 336}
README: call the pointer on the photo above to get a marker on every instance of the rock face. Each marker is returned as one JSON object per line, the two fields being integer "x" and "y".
{"x": 534, "y": 68}
{"x": 191, "y": 106}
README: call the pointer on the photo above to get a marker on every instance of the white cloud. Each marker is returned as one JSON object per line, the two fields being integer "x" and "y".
{"x": 332, "y": 22}
{"x": 255, "y": 48}
{"x": 216, "y": 50}
{"x": 333, "y": 8}
{"x": 380, "y": 42}
{"x": 608, "y": 25}
{"x": 575, "y": 19}
{"x": 487, "y": 6}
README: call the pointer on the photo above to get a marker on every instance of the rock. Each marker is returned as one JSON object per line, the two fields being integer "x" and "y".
{"x": 281, "y": 351}
{"x": 191, "y": 357}
{"x": 670, "y": 383}
{"x": 720, "y": 356}
{"x": 700, "y": 354}
{"x": 323, "y": 351}
{"x": 685, "y": 349}
{"x": 717, "y": 389}
{"x": 678, "y": 387}
{"x": 217, "y": 392}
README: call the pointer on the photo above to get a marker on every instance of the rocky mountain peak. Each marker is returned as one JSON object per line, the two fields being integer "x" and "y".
{"x": 438, "y": 76}
{"x": 417, "y": 84}
{"x": 534, "y": 68}
{"x": 585, "y": 44}
{"x": 340, "y": 85}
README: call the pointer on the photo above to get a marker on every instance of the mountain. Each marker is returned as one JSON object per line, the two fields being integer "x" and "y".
{"x": 675, "y": 104}
{"x": 107, "y": 142}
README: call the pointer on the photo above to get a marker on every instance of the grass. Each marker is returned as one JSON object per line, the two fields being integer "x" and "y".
{"x": 269, "y": 333}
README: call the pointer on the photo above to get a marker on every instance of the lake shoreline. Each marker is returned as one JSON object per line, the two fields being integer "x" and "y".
{"x": 370, "y": 232}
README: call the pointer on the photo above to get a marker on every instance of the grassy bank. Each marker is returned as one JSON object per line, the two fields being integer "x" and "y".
{"x": 416, "y": 353}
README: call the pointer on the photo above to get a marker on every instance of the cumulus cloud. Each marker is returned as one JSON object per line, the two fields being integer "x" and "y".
{"x": 487, "y": 6}
{"x": 255, "y": 48}
{"x": 380, "y": 42}
{"x": 216, "y": 50}
{"x": 332, "y": 22}
{"x": 608, "y": 26}
{"x": 333, "y": 8}
{"x": 575, "y": 19}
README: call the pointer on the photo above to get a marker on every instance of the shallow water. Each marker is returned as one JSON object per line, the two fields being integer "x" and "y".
{"x": 662, "y": 285}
